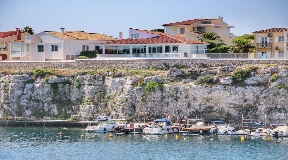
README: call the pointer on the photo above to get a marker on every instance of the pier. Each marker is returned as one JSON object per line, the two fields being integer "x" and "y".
{"x": 48, "y": 123}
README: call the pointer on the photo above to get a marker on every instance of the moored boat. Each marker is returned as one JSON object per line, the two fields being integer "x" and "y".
{"x": 161, "y": 126}
{"x": 107, "y": 125}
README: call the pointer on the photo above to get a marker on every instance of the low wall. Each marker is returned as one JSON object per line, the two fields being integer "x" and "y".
{"x": 135, "y": 63}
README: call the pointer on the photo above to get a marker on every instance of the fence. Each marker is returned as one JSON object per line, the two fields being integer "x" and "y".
{"x": 228, "y": 55}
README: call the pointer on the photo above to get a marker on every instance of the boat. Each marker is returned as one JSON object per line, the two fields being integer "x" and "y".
{"x": 220, "y": 127}
{"x": 239, "y": 132}
{"x": 107, "y": 125}
{"x": 131, "y": 128}
{"x": 195, "y": 126}
{"x": 279, "y": 130}
{"x": 261, "y": 132}
{"x": 160, "y": 127}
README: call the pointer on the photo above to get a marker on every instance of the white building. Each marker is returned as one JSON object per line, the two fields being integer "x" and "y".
{"x": 48, "y": 45}
{"x": 144, "y": 43}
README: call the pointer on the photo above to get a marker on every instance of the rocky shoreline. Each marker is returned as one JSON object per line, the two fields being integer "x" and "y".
{"x": 224, "y": 92}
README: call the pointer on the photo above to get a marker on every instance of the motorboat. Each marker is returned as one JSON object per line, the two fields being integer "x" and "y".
{"x": 107, "y": 125}
{"x": 261, "y": 132}
{"x": 220, "y": 127}
{"x": 160, "y": 127}
{"x": 131, "y": 128}
{"x": 239, "y": 132}
{"x": 280, "y": 130}
{"x": 195, "y": 126}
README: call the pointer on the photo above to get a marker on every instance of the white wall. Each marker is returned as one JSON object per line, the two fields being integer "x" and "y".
{"x": 141, "y": 34}
{"x": 49, "y": 54}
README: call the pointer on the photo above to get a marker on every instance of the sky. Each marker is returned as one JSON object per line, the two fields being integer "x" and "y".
{"x": 113, "y": 16}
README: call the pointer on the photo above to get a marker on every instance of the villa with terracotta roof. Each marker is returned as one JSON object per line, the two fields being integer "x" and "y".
{"x": 50, "y": 45}
{"x": 6, "y": 38}
{"x": 190, "y": 28}
{"x": 144, "y": 43}
{"x": 271, "y": 42}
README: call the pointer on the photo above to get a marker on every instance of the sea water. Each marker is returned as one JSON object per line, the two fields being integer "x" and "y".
{"x": 45, "y": 143}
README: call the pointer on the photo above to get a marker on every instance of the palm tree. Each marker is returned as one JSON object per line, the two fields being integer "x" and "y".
{"x": 28, "y": 29}
{"x": 212, "y": 38}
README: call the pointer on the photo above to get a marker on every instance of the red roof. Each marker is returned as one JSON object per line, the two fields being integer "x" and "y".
{"x": 7, "y": 34}
{"x": 159, "y": 39}
{"x": 272, "y": 30}
{"x": 187, "y": 22}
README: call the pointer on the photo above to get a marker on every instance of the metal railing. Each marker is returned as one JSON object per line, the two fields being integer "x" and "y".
{"x": 264, "y": 45}
{"x": 227, "y": 55}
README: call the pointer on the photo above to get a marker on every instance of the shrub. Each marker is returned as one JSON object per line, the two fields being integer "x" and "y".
{"x": 274, "y": 77}
{"x": 253, "y": 68}
{"x": 54, "y": 87}
{"x": 242, "y": 74}
{"x": 89, "y": 54}
{"x": 46, "y": 79}
{"x": 42, "y": 72}
{"x": 82, "y": 57}
{"x": 282, "y": 85}
{"x": 77, "y": 83}
{"x": 152, "y": 86}
{"x": 204, "y": 80}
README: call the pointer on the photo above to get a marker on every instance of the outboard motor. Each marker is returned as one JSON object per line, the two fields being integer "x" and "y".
{"x": 276, "y": 134}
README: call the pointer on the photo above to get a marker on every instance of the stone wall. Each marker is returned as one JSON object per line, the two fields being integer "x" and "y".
{"x": 136, "y": 63}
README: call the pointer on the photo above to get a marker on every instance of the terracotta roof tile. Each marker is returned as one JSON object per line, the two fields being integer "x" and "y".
{"x": 159, "y": 38}
{"x": 187, "y": 22}
{"x": 80, "y": 35}
{"x": 272, "y": 30}
{"x": 7, "y": 34}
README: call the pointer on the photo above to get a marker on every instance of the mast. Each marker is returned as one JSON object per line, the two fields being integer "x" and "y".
{"x": 242, "y": 122}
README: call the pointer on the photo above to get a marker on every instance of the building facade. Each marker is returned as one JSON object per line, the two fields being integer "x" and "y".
{"x": 144, "y": 43}
{"x": 49, "y": 45}
{"x": 6, "y": 38}
{"x": 191, "y": 27}
{"x": 271, "y": 43}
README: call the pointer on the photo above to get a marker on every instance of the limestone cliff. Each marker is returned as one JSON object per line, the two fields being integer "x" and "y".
{"x": 123, "y": 96}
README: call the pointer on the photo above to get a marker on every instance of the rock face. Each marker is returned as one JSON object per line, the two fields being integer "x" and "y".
{"x": 89, "y": 95}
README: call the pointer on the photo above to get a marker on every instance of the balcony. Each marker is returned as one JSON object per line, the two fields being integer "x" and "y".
{"x": 263, "y": 45}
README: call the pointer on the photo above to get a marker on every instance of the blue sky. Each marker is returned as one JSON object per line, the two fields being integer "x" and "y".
{"x": 113, "y": 16}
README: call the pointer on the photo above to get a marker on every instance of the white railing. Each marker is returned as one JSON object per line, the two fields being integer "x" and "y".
{"x": 228, "y": 55}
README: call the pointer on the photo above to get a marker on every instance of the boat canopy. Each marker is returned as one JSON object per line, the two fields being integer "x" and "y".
{"x": 162, "y": 120}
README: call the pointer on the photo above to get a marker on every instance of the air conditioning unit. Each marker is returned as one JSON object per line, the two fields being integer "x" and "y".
{"x": 276, "y": 48}
{"x": 269, "y": 34}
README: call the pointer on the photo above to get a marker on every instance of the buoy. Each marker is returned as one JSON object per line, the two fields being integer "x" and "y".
{"x": 61, "y": 133}
{"x": 242, "y": 138}
{"x": 176, "y": 136}
{"x": 110, "y": 135}
{"x": 276, "y": 142}
{"x": 166, "y": 135}
{"x": 268, "y": 138}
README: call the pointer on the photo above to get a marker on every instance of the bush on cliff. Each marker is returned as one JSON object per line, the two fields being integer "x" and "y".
{"x": 152, "y": 86}
{"x": 242, "y": 74}
{"x": 42, "y": 72}
{"x": 204, "y": 80}
{"x": 274, "y": 77}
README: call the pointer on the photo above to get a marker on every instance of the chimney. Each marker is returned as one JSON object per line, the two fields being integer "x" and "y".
{"x": 18, "y": 33}
{"x": 120, "y": 35}
{"x": 62, "y": 30}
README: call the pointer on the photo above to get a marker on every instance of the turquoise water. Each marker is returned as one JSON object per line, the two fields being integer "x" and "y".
{"x": 43, "y": 143}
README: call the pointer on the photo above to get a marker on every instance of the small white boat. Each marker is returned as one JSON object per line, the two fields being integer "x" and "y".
{"x": 160, "y": 127}
{"x": 261, "y": 132}
{"x": 221, "y": 128}
{"x": 280, "y": 130}
{"x": 239, "y": 132}
{"x": 106, "y": 126}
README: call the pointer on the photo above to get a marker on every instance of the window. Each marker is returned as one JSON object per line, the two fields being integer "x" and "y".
{"x": 201, "y": 29}
{"x": 281, "y": 54}
{"x": 167, "y": 49}
{"x": 87, "y": 48}
{"x": 54, "y": 47}
{"x": 40, "y": 48}
{"x": 132, "y": 35}
{"x": 281, "y": 39}
{"x": 193, "y": 29}
{"x": 182, "y": 30}
{"x": 83, "y": 47}
{"x": 263, "y": 39}
{"x": 2, "y": 44}
{"x": 175, "y": 49}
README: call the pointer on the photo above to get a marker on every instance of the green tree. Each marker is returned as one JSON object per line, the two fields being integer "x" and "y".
{"x": 243, "y": 44}
{"x": 212, "y": 38}
{"x": 28, "y": 29}
{"x": 158, "y": 30}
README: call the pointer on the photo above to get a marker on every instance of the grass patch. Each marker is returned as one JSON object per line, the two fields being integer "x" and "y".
{"x": 42, "y": 72}
{"x": 242, "y": 74}
{"x": 274, "y": 77}
{"x": 152, "y": 86}
{"x": 204, "y": 80}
